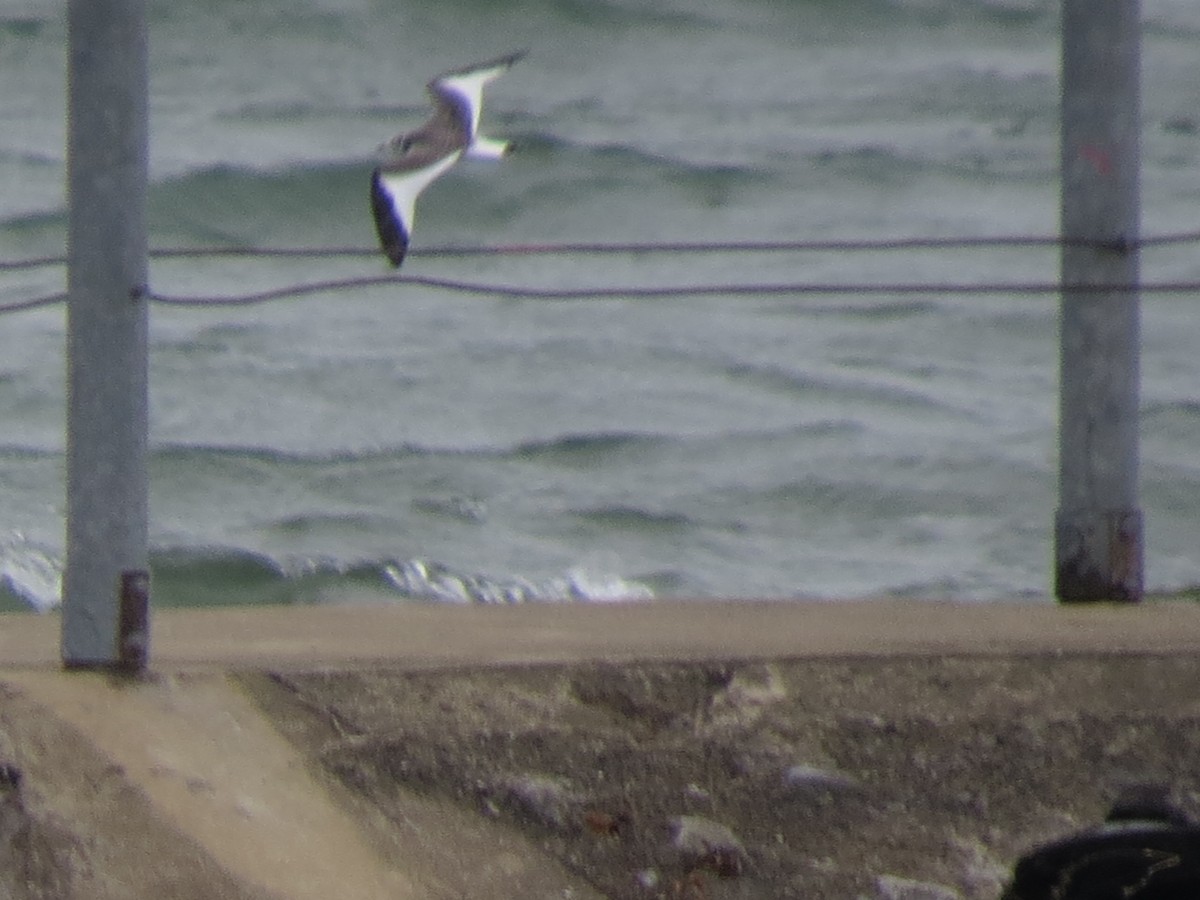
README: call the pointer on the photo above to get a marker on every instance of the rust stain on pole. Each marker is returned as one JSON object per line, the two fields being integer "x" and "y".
{"x": 133, "y": 627}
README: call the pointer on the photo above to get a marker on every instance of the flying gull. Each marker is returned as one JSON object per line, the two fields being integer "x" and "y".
{"x": 412, "y": 161}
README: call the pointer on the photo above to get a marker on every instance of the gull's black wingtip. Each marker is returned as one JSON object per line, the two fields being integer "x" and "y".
{"x": 505, "y": 61}
{"x": 393, "y": 239}
{"x": 509, "y": 60}
{"x": 395, "y": 253}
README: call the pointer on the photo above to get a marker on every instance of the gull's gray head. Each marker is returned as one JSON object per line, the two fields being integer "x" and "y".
{"x": 395, "y": 149}
{"x": 419, "y": 148}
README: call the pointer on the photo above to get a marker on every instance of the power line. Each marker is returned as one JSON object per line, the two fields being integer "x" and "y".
{"x": 34, "y": 303}
{"x": 585, "y": 248}
{"x": 1162, "y": 240}
{"x": 637, "y": 291}
{"x": 33, "y": 262}
{"x": 840, "y": 245}
{"x": 644, "y": 292}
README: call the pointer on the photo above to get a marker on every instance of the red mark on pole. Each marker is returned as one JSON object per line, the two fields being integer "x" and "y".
{"x": 1099, "y": 158}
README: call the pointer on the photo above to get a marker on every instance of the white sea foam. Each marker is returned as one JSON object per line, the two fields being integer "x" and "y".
{"x": 31, "y": 572}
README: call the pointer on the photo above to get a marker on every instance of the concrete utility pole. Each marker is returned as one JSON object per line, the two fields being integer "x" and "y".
{"x": 1098, "y": 525}
{"x": 106, "y": 585}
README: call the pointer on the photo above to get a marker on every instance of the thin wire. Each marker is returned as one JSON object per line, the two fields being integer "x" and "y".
{"x": 1159, "y": 240}
{"x": 677, "y": 247}
{"x": 664, "y": 291}
{"x": 22, "y": 305}
{"x": 590, "y": 248}
{"x": 635, "y": 247}
{"x": 33, "y": 262}
{"x": 864, "y": 244}
{"x": 636, "y": 291}
{"x": 639, "y": 248}
{"x": 632, "y": 291}
{"x": 194, "y": 252}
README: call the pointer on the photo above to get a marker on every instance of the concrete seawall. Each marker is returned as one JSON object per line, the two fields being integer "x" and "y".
{"x": 251, "y": 760}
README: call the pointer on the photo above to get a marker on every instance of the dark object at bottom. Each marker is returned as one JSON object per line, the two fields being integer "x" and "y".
{"x": 10, "y": 777}
{"x": 133, "y": 626}
{"x": 1145, "y": 850}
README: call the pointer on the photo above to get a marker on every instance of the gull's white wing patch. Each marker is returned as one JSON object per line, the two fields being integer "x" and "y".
{"x": 469, "y": 89}
{"x": 405, "y": 187}
{"x": 394, "y": 200}
{"x": 467, "y": 86}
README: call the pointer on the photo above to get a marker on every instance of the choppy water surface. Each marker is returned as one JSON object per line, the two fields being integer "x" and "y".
{"x": 421, "y": 443}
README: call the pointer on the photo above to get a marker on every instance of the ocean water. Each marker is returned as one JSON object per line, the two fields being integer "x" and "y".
{"x": 412, "y": 442}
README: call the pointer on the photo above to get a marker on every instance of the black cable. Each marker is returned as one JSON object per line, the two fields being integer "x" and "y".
{"x": 637, "y": 291}
{"x": 642, "y": 248}
{"x": 609, "y": 292}
{"x": 34, "y": 303}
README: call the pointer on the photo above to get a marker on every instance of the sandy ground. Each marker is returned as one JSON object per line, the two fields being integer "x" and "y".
{"x": 708, "y": 751}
